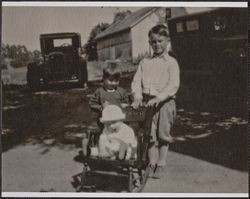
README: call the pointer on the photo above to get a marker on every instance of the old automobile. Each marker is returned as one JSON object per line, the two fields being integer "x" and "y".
{"x": 61, "y": 60}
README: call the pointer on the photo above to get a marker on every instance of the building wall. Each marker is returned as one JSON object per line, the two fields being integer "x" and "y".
{"x": 115, "y": 47}
{"x": 139, "y": 34}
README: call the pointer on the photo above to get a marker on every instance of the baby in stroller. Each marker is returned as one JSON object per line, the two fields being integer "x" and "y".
{"x": 117, "y": 139}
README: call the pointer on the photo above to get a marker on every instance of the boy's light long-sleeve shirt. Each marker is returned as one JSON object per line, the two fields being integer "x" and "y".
{"x": 157, "y": 76}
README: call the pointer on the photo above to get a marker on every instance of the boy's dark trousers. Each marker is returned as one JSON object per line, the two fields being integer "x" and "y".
{"x": 147, "y": 126}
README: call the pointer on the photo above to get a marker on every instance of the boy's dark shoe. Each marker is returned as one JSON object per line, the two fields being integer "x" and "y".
{"x": 151, "y": 170}
{"x": 158, "y": 172}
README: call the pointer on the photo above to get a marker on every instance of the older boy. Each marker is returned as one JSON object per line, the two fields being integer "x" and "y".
{"x": 156, "y": 82}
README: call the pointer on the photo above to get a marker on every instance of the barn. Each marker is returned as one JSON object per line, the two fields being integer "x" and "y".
{"x": 126, "y": 40}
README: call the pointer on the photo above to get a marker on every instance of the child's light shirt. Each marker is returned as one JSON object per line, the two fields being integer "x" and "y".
{"x": 125, "y": 134}
{"x": 157, "y": 76}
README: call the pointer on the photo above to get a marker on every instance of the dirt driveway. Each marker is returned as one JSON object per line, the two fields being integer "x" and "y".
{"x": 210, "y": 154}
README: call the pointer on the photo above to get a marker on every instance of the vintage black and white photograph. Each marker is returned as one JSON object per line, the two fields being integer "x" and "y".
{"x": 114, "y": 98}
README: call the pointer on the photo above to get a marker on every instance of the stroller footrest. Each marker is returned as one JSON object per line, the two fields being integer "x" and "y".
{"x": 110, "y": 173}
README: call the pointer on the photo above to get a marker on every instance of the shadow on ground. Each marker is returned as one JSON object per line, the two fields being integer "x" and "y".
{"x": 106, "y": 181}
{"x": 101, "y": 183}
{"x": 209, "y": 126}
{"x": 223, "y": 142}
{"x": 212, "y": 125}
{"x": 43, "y": 116}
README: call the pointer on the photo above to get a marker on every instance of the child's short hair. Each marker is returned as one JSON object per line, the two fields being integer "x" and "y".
{"x": 160, "y": 30}
{"x": 112, "y": 71}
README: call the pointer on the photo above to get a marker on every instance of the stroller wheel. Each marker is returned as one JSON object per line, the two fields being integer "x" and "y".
{"x": 137, "y": 179}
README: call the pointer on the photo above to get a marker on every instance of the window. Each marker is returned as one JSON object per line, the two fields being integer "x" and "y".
{"x": 179, "y": 27}
{"x": 62, "y": 42}
{"x": 192, "y": 25}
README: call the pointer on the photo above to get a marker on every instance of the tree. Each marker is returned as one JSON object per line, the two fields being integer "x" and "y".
{"x": 119, "y": 16}
{"x": 12, "y": 51}
{"x": 18, "y": 55}
{"x": 90, "y": 46}
{"x": 3, "y": 62}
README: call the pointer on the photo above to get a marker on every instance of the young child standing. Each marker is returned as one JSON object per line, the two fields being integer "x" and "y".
{"x": 110, "y": 92}
{"x": 117, "y": 139}
{"x": 156, "y": 82}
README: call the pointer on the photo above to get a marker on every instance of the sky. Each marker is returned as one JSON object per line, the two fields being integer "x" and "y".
{"x": 23, "y": 25}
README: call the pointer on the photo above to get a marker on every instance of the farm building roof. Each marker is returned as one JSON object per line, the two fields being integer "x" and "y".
{"x": 128, "y": 22}
{"x": 135, "y": 18}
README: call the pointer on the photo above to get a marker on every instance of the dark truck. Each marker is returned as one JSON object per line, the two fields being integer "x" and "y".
{"x": 61, "y": 61}
{"x": 211, "y": 47}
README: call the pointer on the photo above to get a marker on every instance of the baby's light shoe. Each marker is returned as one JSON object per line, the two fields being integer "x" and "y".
{"x": 128, "y": 153}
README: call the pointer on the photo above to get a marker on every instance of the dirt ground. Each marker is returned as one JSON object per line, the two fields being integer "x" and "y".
{"x": 209, "y": 155}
